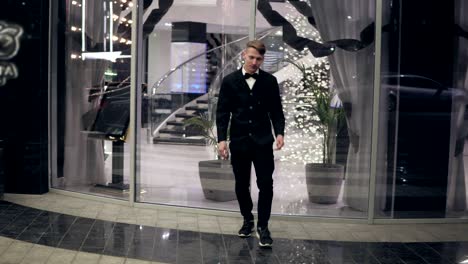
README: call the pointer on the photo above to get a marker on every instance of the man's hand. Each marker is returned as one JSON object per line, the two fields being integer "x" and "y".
{"x": 223, "y": 151}
{"x": 279, "y": 142}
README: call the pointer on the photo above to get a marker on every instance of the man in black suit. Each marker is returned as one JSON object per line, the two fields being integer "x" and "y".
{"x": 249, "y": 98}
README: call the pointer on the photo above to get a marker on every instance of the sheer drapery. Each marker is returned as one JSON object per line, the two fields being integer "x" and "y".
{"x": 352, "y": 73}
{"x": 84, "y": 155}
{"x": 456, "y": 190}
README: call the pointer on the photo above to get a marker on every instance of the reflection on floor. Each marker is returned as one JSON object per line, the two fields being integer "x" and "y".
{"x": 169, "y": 175}
{"x": 31, "y": 235}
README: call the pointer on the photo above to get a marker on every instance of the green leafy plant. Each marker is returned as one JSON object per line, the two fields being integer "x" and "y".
{"x": 207, "y": 127}
{"x": 315, "y": 106}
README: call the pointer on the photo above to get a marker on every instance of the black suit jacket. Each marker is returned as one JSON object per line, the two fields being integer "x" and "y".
{"x": 251, "y": 112}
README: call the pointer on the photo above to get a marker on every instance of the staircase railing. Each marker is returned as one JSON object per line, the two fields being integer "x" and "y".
{"x": 170, "y": 92}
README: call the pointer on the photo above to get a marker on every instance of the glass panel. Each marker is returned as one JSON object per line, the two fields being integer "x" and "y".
{"x": 93, "y": 95}
{"x": 188, "y": 49}
{"x": 423, "y": 110}
{"x": 323, "y": 53}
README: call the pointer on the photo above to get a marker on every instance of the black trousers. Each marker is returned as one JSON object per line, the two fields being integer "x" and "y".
{"x": 242, "y": 158}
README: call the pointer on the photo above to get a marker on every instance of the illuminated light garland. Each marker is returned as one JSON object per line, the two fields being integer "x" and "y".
{"x": 302, "y": 138}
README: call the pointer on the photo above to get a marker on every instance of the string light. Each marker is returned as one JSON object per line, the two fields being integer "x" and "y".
{"x": 304, "y": 139}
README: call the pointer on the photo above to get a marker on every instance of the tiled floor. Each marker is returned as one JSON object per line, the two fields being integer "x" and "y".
{"x": 54, "y": 228}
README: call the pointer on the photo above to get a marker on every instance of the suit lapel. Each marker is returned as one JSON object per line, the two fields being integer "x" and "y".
{"x": 241, "y": 81}
{"x": 258, "y": 82}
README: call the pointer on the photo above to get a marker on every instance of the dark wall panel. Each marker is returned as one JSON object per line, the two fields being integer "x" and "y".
{"x": 24, "y": 97}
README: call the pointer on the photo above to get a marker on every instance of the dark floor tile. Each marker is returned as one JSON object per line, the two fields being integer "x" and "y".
{"x": 11, "y": 232}
{"x": 122, "y": 252}
{"x": 55, "y": 231}
{"x": 265, "y": 256}
{"x": 117, "y": 247}
{"x": 142, "y": 243}
{"x": 236, "y": 246}
{"x": 120, "y": 239}
{"x": 212, "y": 247}
{"x": 178, "y": 246}
{"x": 84, "y": 221}
{"x": 188, "y": 235}
{"x": 46, "y": 215}
{"x": 103, "y": 224}
{"x": 140, "y": 253}
{"x": 70, "y": 244}
{"x": 145, "y": 232}
{"x": 95, "y": 250}
{"x": 451, "y": 251}
{"x": 164, "y": 234}
{"x": 31, "y": 214}
{"x": 30, "y": 236}
{"x": 37, "y": 227}
{"x": 79, "y": 230}
{"x": 116, "y": 242}
{"x": 63, "y": 220}
{"x": 123, "y": 228}
{"x": 51, "y": 241}
{"x": 189, "y": 250}
{"x": 165, "y": 251}
{"x": 385, "y": 255}
{"x": 94, "y": 242}
{"x": 100, "y": 232}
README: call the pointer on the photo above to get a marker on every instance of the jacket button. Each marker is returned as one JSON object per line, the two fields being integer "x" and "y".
{"x": 250, "y": 121}
{"x": 250, "y": 134}
{"x": 251, "y": 107}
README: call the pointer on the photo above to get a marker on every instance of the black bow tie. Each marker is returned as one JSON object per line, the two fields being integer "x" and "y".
{"x": 248, "y": 75}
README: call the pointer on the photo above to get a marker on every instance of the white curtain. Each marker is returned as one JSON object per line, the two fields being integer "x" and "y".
{"x": 352, "y": 73}
{"x": 456, "y": 190}
{"x": 83, "y": 155}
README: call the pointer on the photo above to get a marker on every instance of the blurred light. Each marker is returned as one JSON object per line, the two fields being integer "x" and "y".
{"x": 74, "y": 2}
{"x": 110, "y": 56}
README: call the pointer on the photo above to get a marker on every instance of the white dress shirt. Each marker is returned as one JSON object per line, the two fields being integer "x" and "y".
{"x": 250, "y": 81}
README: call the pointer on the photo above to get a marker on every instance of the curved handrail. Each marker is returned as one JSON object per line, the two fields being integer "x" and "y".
{"x": 215, "y": 85}
{"x": 156, "y": 90}
{"x": 168, "y": 73}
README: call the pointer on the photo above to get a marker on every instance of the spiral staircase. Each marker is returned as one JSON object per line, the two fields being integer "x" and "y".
{"x": 167, "y": 112}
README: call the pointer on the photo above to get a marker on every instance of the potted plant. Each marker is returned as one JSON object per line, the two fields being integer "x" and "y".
{"x": 319, "y": 103}
{"x": 216, "y": 176}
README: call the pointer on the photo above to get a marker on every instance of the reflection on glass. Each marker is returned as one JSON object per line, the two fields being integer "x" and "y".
{"x": 172, "y": 159}
{"x": 327, "y": 93}
{"x": 422, "y": 112}
{"x": 93, "y": 99}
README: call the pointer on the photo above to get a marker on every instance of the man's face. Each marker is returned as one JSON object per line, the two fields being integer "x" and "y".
{"x": 252, "y": 59}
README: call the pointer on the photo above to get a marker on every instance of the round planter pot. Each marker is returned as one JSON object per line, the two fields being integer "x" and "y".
{"x": 217, "y": 180}
{"x": 324, "y": 182}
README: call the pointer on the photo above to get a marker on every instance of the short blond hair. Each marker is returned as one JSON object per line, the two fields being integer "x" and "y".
{"x": 258, "y": 45}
